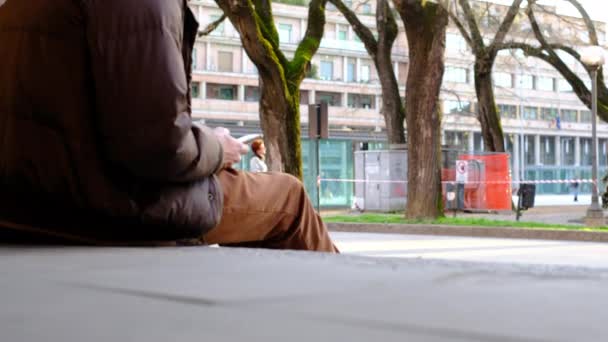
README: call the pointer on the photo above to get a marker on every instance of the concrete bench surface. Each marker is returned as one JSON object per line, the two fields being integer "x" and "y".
{"x": 222, "y": 294}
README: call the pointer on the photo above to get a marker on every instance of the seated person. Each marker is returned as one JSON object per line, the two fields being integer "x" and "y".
{"x": 97, "y": 144}
{"x": 257, "y": 162}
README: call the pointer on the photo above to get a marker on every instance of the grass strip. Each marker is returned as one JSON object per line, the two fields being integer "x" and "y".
{"x": 455, "y": 221}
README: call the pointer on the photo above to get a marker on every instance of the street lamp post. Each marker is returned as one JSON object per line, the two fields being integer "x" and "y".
{"x": 593, "y": 57}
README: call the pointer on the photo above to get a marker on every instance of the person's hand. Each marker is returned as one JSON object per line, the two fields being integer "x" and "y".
{"x": 233, "y": 149}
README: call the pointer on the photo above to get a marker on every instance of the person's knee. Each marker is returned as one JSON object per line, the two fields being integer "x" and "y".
{"x": 291, "y": 186}
{"x": 292, "y": 183}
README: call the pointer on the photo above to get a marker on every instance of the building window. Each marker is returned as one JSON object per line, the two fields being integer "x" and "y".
{"x": 602, "y": 152}
{"x": 221, "y": 91}
{"x": 586, "y": 116}
{"x": 350, "y": 71}
{"x": 567, "y": 151}
{"x": 285, "y": 33}
{"x": 568, "y": 115}
{"x": 361, "y": 101}
{"x": 332, "y": 99}
{"x": 564, "y": 86}
{"x": 548, "y": 114}
{"x": 530, "y": 113}
{"x": 509, "y": 145}
{"x": 304, "y": 97}
{"x": 459, "y": 140}
{"x": 195, "y": 89}
{"x": 585, "y": 151}
{"x": 529, "y": 148}
{"x": 365, "y": 73}
{"x": 366, "y": 8}
{"x": 546, "y": 83}
{"x": 457, "y": 107}
{"x": 194, "y": 59}
{"x": 547, "y": 153}
{"x": 503, "y": 79}
{"x": 507, "y": 111}
{"x": 456, "y": 74}
{"x": 327, "y": 70}
{"x": 219, "y": 30}
{"x": 455, "y": 43}
{"x": 342, "y": 34}
{"x": 527, "y": 82}
{"x": 478, "y": 145}
{"x": 252, "y": 94}
{"x": 224, "y": 61}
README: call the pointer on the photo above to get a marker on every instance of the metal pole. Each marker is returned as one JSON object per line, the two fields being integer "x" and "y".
{"x": 594, "y": 195}
{"x": 521, "y": 151}
{"x": 595, "y": 214}
{"x": 318, "y": 176}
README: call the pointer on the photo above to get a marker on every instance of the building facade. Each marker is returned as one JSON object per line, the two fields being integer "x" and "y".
{"x": 547, "y": 129}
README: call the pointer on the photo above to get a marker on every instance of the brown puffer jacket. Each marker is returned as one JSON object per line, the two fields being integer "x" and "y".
{"x": 96, "y": 138}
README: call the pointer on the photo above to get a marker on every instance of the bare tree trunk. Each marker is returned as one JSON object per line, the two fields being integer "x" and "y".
{"x": 489, "y": 118}
{"x": 485, "y": 56}
{"x": 392, "y": 108}
{"x": 380, "y": 51}
{"x": 425, "y": 26}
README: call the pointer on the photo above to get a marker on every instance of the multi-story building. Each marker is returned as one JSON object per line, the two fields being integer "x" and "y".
{"x": 547, "y": 129}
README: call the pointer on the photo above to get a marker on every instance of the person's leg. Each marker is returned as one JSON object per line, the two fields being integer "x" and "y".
{"x": 268, "y": 210}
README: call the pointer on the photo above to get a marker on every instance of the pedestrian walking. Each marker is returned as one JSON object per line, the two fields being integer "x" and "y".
{"x": 575, "y": 186}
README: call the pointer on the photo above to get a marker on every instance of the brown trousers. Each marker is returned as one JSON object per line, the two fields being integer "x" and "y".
{"x": 268, "y": 210}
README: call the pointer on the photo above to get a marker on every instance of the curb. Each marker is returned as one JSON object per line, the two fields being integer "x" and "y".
{"x": 479, "y": 231}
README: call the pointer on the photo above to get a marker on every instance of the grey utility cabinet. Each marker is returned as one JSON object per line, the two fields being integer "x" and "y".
{"x": 385, "y": 173}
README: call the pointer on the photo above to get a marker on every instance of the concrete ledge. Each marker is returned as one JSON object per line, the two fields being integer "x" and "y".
{"x": 494, "y": 232}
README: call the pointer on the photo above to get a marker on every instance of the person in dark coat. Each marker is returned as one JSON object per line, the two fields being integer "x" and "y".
{"x": 575, "y": 186}
{"x": 97, "y": 144}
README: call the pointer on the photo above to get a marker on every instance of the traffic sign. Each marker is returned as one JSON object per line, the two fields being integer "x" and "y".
{"x": 462, "y": 171}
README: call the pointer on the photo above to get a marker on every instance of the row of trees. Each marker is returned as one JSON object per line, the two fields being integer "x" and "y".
{"x": 425, "y": 25}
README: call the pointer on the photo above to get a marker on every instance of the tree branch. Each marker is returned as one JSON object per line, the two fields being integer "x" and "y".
{"x": 259, "y": 49}
{"x": 212, "y": 26}
{"x": 578, "y": 86}
{"x": 265, "y": 20}
{"x": 461, "y": 28}
{"x": 310, "y": 44}
{"x": 588, "y": 22}
{"x": 505, "y": 26}
{"x": 477, "y": 39}
{"x": 387, "y": 27}
{"x": 361, "y": 30}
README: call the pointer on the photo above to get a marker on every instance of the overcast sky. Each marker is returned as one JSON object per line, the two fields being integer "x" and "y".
{"x": 598, "y": 9}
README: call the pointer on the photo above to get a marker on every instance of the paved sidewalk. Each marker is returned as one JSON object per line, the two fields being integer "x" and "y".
{"x": 486, "y": 250}
{"x": 554, "y": 214}
{"x": 222, "y": 294}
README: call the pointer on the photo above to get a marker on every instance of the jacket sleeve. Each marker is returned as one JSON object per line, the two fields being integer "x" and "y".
{"x": 141, "y": 89}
